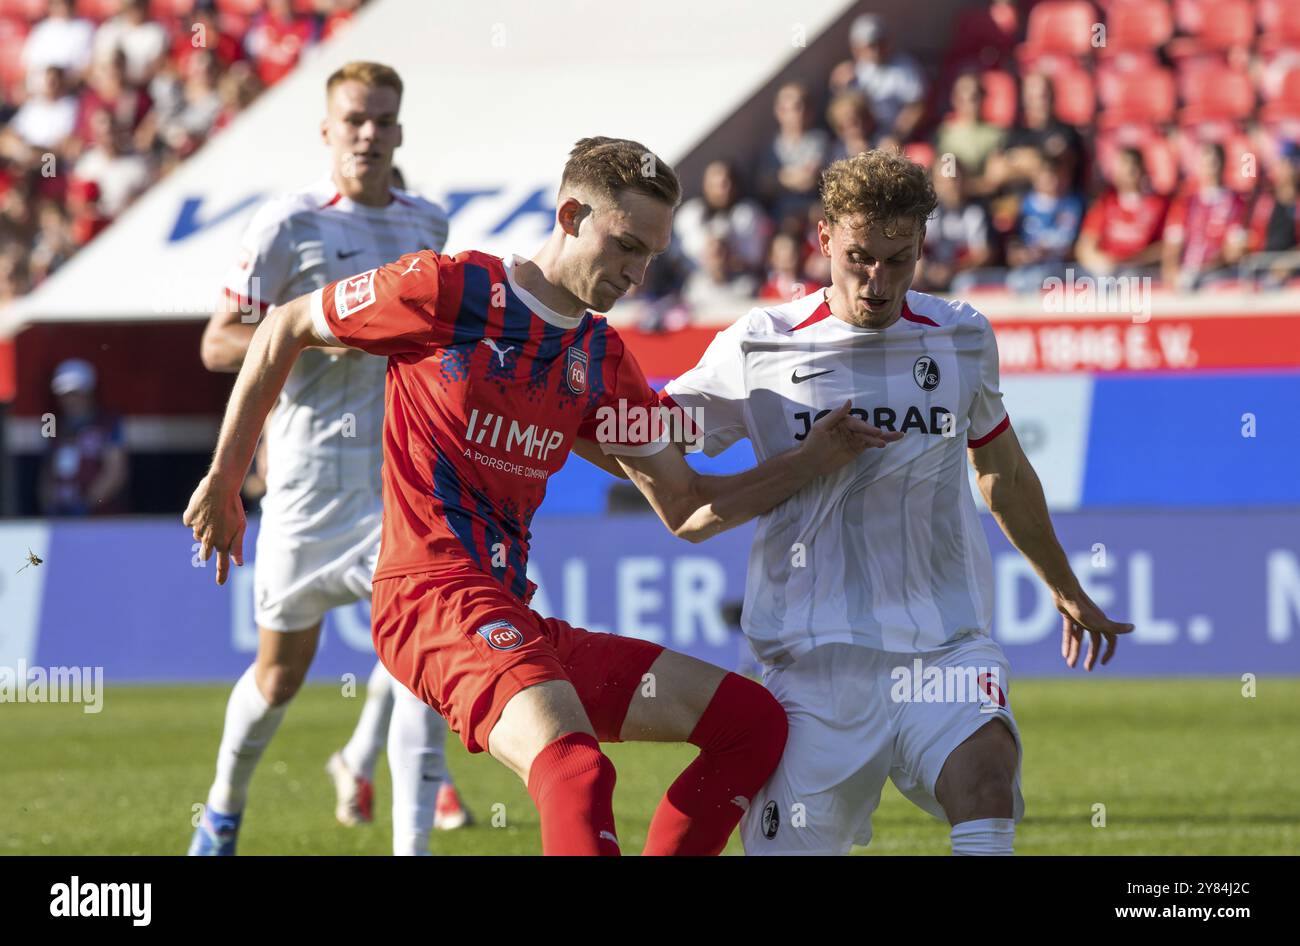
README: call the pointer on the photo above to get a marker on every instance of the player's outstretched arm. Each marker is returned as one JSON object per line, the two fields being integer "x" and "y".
{"x": 695, "y": 507}
{"x": 1015, "y": 497}
{"x": 228, "y": 335}
{"x": 215, "y": 512}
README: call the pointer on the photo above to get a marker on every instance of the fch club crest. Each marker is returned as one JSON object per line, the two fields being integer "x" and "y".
{"x": 575, "y": 370}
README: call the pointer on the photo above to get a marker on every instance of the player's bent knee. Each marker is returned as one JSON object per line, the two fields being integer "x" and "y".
{"x": 758, "y": 725}
{"x": 279, "y": 683}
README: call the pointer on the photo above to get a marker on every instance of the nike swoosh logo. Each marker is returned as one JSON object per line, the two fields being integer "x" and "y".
{"x": 794, "y": 375}
{"x": 343, "y": 255}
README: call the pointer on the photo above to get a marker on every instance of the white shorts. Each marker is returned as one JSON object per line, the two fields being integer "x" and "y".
{"x": 316, "y": 550}
{"x": 857, "y": 719}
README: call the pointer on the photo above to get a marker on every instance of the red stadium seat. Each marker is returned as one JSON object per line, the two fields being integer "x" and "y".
{"x": 13, "y": 34}
{"x": 984, "y": 36}
{"x": 1157, "y": 154}
{"x": 1060, "y": 27}
{"x": 1075, "y": 96}
{"x": 1212, "y": 26}
{"x": 98, "y": 10}
{"x": 1240, "y": 175}
{"x": 1137, "y": 25}
{"x": 1280, "y": 22}
{"x": 1287, "y": 102}
{"x": 1217, "y": 95}
{"x": 166, "y": 9}
{"x": 1001, "y": 97}
{"x": 1146, "y": 98}
{"x": 920, "y": 152}
{"x": 29, "y": 10}
{"x": 240, "y": 8}
{"x": 1114, "y": 71}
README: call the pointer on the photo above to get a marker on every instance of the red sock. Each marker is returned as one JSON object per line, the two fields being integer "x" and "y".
{"x": 572, "y": 784}
{"x": 741, "y": 736}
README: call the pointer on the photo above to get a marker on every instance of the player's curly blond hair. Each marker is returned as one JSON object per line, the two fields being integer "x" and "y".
{"x": 883, "y": 186}
{"x": 611, "y": 165}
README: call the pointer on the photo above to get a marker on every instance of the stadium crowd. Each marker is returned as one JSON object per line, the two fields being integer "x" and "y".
{"x": 1156, "y": 138}
{"x": 101, "y": 98}
{"x": 1142, "y": 137}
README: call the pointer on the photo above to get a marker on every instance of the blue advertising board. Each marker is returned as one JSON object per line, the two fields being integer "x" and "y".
{"x": 1213, "y": 592}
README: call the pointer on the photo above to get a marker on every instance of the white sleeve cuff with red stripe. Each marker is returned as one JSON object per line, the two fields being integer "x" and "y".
{"x": 981, "y": 441}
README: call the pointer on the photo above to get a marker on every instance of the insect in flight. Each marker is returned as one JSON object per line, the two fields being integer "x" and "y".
{"x": 32, "y": 559}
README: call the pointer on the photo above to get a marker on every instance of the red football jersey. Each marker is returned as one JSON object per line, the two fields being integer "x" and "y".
{"x": 486, "y": 391}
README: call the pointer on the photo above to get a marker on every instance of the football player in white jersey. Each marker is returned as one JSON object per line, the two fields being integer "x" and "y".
{"x": 869, "y": 594}
{"x": 319, "y": 535}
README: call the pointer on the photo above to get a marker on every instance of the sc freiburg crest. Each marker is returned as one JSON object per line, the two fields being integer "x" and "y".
{"x": 926, "y": 373}
{"x": 575, "y": 370}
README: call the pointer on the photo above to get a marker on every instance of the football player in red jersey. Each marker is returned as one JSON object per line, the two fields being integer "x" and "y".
{"x": 495, "y": 368}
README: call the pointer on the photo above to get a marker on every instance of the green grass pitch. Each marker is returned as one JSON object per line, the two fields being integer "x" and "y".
{"x": 1182, "y": 767}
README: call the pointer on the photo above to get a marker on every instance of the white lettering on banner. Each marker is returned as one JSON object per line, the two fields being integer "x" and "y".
{"x": 1011, "y": 627}
{"x": 243, "y": 626}
{"x": 636, "y": 601}
{"x": 1148, "y": 629}
{"x": 1016, "y": 349}
{"x": 1176, "y": 344}
{"x": 1090, "y": 575}
{"x": 699, "y": 584}
{"x": 1282, "y": 583}
{"x": 574, "y": 576}
{"x": 1113, "y": 347}
{"x": 698, "y": 587}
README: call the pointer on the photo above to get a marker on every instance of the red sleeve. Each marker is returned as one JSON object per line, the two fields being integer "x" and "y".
{"x": 1093, "y": 220}
{"x": 1177, "y": 215}
{"x": 385, "y": 311}
{"x": 625, "y": 417}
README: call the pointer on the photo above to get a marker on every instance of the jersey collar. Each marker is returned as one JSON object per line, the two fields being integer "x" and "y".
{"x": 548, "y": 315}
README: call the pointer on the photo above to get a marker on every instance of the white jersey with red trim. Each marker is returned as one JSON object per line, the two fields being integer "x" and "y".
{"x": 324, "y": 432}
{"x": 888, "y": 552}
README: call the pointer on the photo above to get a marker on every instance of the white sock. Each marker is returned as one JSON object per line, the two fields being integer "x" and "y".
{"x": 417, "y": 760}
{"x": 368, "y": 738}
{"x": 988, "y": 836}
{"x": 250, "y": 723}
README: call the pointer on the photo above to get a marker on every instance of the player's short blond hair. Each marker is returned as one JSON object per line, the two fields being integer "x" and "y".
{"x": 884, "y": 187}
{"x": 372, "y": 74}
{"x": 609, "y": 166}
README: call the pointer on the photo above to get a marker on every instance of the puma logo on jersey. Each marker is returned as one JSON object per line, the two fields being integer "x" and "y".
{"x": 500, "y": 352}
{"x": 413, "y": 268}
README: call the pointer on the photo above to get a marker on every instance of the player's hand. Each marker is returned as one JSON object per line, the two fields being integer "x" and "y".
{"x": 216, "y": 515}
{"x": 1080, "y": 614}
{"x": 839, "y": 437}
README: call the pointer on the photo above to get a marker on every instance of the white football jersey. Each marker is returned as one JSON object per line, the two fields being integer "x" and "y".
{"x": 888, "y": 552}
{"x": 325, "y": 431}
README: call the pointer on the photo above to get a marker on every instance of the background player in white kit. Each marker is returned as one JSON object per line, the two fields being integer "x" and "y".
{"x": 854, "y": 578}
{"x": 321, "y": 515}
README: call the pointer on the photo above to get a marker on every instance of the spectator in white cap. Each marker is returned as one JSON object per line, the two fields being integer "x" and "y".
{"x": 892, "y": 81}
{"x": 85, "y": 468}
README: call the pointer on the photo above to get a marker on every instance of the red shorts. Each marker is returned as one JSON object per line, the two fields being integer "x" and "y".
{"x": 465, "y": 646}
